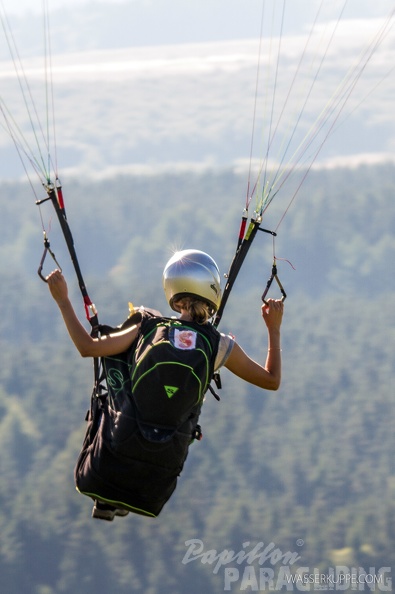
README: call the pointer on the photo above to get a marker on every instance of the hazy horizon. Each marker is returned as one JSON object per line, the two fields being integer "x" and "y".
{"x": 191, "y": 103}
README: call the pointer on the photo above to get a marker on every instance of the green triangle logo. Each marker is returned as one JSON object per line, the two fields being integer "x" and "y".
{"x": 170, "y": 390}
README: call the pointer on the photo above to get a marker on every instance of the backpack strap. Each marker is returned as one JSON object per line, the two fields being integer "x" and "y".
{"x": 213, "y": 392}
{"x": 136, "y": 317}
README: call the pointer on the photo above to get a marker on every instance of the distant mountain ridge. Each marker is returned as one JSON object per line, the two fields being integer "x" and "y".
{"x": 184, "y": 103}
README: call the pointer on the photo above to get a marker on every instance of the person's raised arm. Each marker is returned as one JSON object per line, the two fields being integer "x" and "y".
{"x": 85, "y": 344}
{"x": 266, "y": 376}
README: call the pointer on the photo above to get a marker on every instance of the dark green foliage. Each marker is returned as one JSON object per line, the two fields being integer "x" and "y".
{"x": 314, "y": 461}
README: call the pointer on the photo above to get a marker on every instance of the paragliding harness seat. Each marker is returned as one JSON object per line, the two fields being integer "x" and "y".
{"x": 144, "y": 413}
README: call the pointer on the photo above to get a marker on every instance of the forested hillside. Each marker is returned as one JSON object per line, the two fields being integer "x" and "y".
{"x": 309, "y": 468}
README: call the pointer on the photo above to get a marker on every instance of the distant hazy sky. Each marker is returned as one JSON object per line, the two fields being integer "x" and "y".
{"x": 107, "y": 61}
{"x": 35, "y": 5}
{"x": 355, "y": 8}
{"x": 121, "y": 23}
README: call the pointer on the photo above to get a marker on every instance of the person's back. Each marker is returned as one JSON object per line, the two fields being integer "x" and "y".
{"x": 149, "y": 418}
{"x": 137, "y": 438}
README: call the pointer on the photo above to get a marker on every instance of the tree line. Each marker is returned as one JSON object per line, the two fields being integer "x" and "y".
{"x": 312, "y": 463}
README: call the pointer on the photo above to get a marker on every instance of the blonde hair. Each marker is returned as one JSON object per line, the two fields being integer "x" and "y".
{"x": 199, "y": 311}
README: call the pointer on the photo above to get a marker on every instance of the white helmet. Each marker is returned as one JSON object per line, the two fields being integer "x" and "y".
{"x": 192, "y": 272}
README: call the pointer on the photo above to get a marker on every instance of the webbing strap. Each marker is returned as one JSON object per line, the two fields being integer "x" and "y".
{"x": 244, "y": 244}
{"x": 56, "y": 196}
{"x": 240, "y": 255}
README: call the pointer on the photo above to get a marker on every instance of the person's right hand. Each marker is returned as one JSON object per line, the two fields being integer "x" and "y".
{"x": 272, "y": 313}
{"x": 57, "y": 286}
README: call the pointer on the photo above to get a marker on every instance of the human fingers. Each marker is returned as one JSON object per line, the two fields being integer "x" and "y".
{"x": 273, "y": 304}
{"x": 272, "y": 310}
{"x": 57, "y": 285}
{"x": 54, "y": 276}
{"x": 278, "y": 304}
